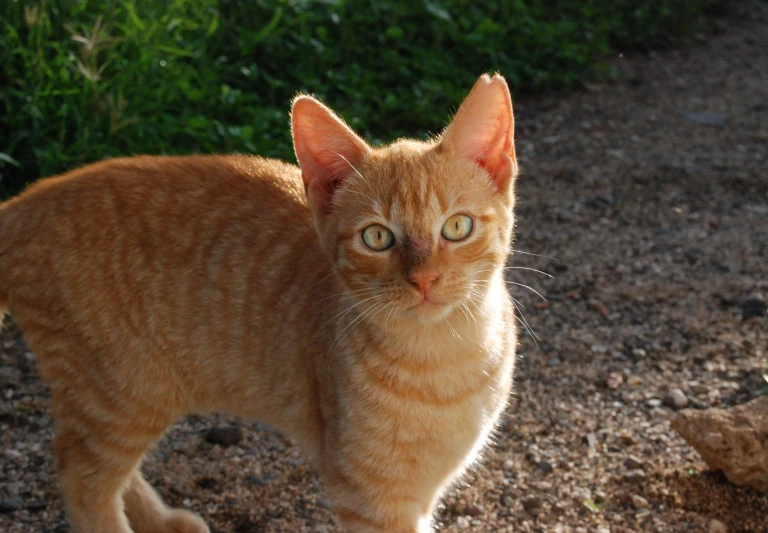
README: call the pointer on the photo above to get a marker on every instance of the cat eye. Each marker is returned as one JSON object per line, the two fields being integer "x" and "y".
{"x": 377, "y": 237}
{"x": 457, "y": 227}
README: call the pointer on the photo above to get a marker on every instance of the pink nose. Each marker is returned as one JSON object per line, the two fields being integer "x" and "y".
{"x": 423, "y": 281}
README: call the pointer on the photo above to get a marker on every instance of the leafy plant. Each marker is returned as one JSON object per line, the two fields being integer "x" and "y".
{"x": 83, "y": 80}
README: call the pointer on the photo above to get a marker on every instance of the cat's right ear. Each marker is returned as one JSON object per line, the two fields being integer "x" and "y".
{"x": 327, "y": 149}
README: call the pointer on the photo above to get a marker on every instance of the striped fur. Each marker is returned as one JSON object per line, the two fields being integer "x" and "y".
{"x": 153, "y": 287}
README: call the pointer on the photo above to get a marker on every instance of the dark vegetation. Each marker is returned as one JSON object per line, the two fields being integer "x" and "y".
{"x": 82, "y": 80}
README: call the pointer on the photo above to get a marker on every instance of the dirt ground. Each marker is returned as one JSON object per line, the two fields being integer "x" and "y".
{"x": 647, "y": 199}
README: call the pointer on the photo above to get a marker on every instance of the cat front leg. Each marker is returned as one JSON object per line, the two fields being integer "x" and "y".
{"x": 367, "y": 504}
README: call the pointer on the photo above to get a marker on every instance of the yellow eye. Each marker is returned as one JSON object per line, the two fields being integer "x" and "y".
{"x": 377, "y": 237}
{"x": 457, "y": 227}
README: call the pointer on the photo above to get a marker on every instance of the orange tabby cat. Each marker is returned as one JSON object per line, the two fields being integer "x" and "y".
{"x": 153, "y": 287}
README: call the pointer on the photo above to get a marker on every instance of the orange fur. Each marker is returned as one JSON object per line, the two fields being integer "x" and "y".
{"x": 153, "y": 287}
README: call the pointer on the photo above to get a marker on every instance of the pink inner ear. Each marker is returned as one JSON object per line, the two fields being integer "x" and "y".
{"x": 483, "y": 129}
{"x": 327, "y": 149}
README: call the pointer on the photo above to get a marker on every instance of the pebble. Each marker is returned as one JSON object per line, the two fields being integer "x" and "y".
{"x": 633, "y": 463}
{"x": 325, "y": 503}
{"x": 706, "y": 118}
{"x": 635, "y": 475}
{"x": 752, "y": 307}
{"x": 716, "y": 526}
{"x": 11, "y": 505}
{"x": 531, "y": 503}
{"x": 653, "y": 403}
{"x": 591, "y": 439}
{"x": 13, "y": 454}
{"x": 700, "y": 389}
{"x": 639, "y": 502}
{"x": 320, "y": 528}
{"x": 676, "y": 399}
{"x": 599, "y": 496}
{"x": 224, "y": 435}
{"x": 36, "y": 505}
{"x": 462, "y": 523}
{"x": 473, "y": 510}
{"x": 546, "y": 467}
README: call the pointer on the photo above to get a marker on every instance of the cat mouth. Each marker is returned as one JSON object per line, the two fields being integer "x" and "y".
{"x": 429, "y": 309}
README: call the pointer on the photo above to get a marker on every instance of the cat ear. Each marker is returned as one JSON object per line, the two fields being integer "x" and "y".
{"x": 483, "y": 130}
{"x": 327, "y": 149}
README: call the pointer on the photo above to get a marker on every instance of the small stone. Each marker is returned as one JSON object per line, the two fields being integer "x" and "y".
{"x": 473, "y": 510}
{"x": 462, "y": 523}
{"x": 635, "y": 475}
{"x": 633, "y": 463}
{"x": 36, "y": 505}
{"x": 752, "y": 307}
{"x": 256, "y": 481}
{"x": 700, "y": 389}
{"x": 639, "y": 502}
{"x": 706, "y": 118}
{"x": 11, "y": 505}
{"x": 224, "y": 435}
{"x": 546, "y": 467}
{"x": 320, "y": 528}
{"x": 653, "y": 403}
{"x": 591, "y": 439}
{"x": 324, "y": 503}
{"x": 676, "y": 399}
{"x": 531, "y": 503}
{"x": 13, "y": 454}
{"x": 599, "y": 496}
{"x": 716, "y": 526}
{"x": 626, "y": 438}
{"x": 614, "y": 380}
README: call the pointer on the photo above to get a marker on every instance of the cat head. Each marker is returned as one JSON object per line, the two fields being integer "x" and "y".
{"x": 416, "y": 228}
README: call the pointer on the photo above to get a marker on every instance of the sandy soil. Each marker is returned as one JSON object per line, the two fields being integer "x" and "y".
{"x": 647, "y": 199}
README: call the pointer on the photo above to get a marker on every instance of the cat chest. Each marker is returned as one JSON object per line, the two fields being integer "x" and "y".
{"x": 432, "y": 414}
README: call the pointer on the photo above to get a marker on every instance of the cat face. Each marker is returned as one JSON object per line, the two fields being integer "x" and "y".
{"x": 419, "y": 231}
{"x": 415, "y": 229}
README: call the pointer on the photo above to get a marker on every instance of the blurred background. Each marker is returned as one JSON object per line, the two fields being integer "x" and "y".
{"x": 83, "y": 80}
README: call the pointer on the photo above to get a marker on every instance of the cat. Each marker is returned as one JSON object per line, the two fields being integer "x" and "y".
{"x": 356, "y": 302}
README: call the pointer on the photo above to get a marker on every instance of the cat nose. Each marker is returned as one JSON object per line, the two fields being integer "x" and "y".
{"x": 423, "y": 281}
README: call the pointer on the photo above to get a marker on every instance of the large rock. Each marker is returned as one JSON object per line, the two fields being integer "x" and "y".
{"x": 732, "y": 440}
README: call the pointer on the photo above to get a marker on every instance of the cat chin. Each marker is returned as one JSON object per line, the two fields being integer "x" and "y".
{"x": 428, "y": 312}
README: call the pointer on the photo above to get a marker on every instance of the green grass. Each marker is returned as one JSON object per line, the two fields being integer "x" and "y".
{"x": 83, "y": 80}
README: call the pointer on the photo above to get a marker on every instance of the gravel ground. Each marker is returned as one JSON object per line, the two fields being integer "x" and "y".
{"x": 647, "y": 199}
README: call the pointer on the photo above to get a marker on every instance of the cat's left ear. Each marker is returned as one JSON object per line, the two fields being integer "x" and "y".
{"x": 483, "y": 130}
{"x": 327, "y": 149}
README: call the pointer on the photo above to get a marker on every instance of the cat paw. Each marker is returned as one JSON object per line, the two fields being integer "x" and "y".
{"x": 180, "y": 521}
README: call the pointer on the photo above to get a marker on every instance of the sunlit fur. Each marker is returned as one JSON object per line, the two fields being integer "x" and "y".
{"x": 154, "y": 287}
